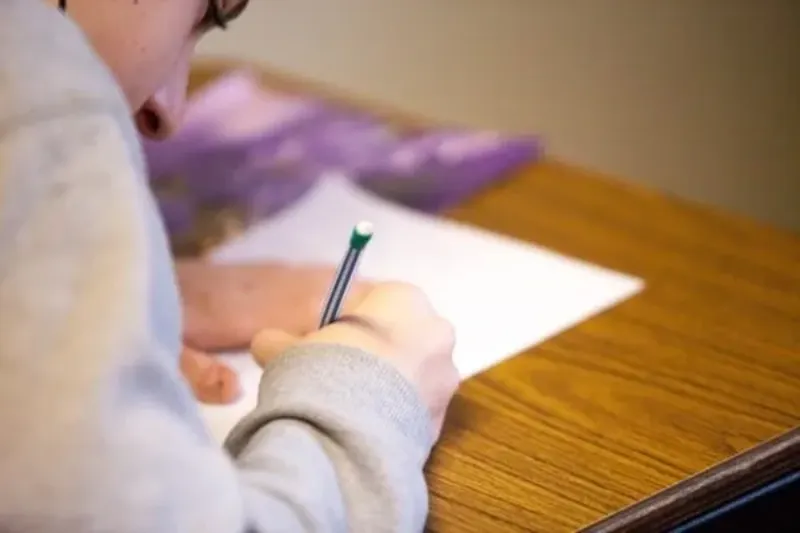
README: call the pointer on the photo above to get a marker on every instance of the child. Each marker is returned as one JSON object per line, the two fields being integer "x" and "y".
{"x": 100, "y": 430}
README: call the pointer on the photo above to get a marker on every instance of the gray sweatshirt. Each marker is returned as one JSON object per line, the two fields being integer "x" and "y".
{"x": 98, "y": 430}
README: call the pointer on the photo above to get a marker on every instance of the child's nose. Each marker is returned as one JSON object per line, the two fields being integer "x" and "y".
{"x": 161, "y": 115}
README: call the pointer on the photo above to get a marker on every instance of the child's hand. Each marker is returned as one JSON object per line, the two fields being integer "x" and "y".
{"x": 226, "y": 305}
{"x": 397, "y": 323}
{"x": 211, "y": 380}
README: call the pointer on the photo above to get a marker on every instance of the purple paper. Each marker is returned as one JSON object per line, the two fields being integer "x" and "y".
{"x": 434, "y": 171}
{"x": 250, "y": 153}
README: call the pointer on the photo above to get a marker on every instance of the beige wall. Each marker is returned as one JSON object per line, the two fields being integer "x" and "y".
{"x": 697, "y": 97}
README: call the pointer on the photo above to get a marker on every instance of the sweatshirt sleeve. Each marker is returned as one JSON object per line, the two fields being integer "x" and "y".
{"x": 337, "y": 443}
{"x": 99, "y": 430}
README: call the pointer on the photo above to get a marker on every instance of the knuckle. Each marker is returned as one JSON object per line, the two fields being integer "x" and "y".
{"x": 443, "y": 399}
{"x": 407, "y": 292}
{"x": 455, "y": 381}
{"x": 446, "y": 332}
{"x": 259, "y": 342}
{"x": 452, "y": 379}
{"x": 400, "y": 287}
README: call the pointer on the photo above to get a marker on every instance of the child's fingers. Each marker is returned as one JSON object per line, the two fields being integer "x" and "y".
{"x": 269, "y": 344}
{"x": 210, "y": 379}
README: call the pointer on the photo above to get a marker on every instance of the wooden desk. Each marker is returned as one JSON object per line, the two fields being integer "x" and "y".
{"x": 703, "y": 364}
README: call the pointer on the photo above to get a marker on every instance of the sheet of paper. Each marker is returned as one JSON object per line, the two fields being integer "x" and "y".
{"x": 502, "y": 295}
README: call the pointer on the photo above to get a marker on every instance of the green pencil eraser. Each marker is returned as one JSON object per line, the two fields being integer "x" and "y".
{"x": 361, "y": 235}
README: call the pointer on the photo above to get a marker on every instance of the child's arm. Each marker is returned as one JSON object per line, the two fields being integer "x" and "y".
{"x": 101, "y": 433}
{"x": 98, "y": 430}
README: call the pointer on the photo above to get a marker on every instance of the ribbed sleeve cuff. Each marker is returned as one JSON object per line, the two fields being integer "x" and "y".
{"x": 329, "y": 384}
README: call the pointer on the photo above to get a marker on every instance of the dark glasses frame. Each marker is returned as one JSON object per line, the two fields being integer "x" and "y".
{"x": 219, "y": 17}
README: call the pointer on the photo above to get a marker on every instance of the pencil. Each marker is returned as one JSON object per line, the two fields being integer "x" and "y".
{"x": 360, "y": 236}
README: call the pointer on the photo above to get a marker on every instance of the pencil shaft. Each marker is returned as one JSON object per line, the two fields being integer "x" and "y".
{"x": 341, "y": 285}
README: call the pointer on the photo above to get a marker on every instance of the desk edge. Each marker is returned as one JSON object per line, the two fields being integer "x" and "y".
{"x": 723, "y": 482}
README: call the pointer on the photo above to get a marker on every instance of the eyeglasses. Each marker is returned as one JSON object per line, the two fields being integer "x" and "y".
{"x": 220, "y": 12}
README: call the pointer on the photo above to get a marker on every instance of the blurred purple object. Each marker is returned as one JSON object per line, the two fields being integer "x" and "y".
{"x": 178, "y": 214}
{"x": 246, "y": 149}
{"x": 437, "y": 170}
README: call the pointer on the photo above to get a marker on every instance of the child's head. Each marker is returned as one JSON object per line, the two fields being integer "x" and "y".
{"x": 148, "y": 44}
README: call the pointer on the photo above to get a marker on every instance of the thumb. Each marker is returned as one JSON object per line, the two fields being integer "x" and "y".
{"x": 269, "y": 344}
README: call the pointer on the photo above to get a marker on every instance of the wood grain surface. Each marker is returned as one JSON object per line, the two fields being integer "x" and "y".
{"x": 738, "y": 477}
{"x": 703, "y": 364}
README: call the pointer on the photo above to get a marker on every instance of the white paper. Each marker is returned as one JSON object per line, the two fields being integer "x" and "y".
{"x": 502, "y": 295}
